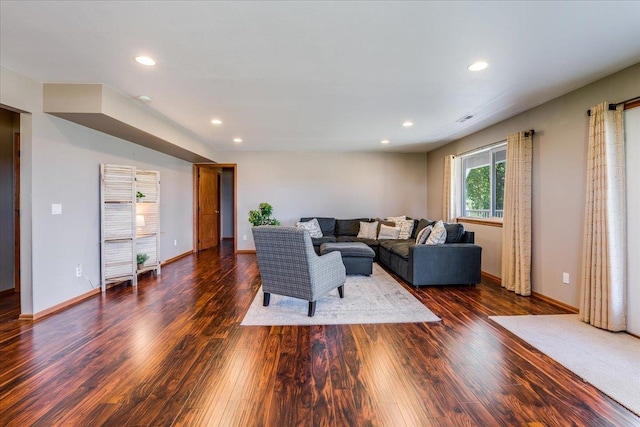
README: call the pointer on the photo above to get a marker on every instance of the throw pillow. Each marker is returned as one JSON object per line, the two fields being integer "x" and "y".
{"x": 406, "y": 227}
{"x": 396, "y": 218}
{"x": 384, "y": 222}
{"x": 312, "y": 226}
{"x": 438, "y": 235}
{"x": 387, "y": 232}
{"x": 423, "y": 235}
{"x": 368, "y": 230}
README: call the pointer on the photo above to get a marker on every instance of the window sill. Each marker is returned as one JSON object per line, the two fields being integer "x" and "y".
{"x": 491, "y": 222}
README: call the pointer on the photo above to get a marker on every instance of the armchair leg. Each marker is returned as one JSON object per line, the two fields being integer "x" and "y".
{"x": 266, "y": 298}
{"x": 341, "y": 291}
{"x": 312, "y": 308}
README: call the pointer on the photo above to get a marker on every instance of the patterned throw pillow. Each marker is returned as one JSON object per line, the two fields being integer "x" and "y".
{"x": 396, "y": 218}
{"x": 313, "y": 226}
{"x": 387, "y": 232}
{"x": 423, "y": 235}
{"x": 438, "y": 235}
{"x": 406, "y": 227}
{"x": 368, "y": 230}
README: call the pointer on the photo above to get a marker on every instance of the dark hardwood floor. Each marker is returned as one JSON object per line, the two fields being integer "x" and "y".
{"x": 172, "y": 352}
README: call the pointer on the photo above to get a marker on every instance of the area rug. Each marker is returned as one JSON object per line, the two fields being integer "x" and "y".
{"x": 378, "y": 298}
{"x": 609, "y": 361}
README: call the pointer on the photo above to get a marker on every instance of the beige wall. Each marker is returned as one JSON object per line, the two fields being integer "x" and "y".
{"x": 559, "y": 157}
{"x": 60, "y": 164}
{"x": 341, "y": 185}
{"x": 490, "y": 238}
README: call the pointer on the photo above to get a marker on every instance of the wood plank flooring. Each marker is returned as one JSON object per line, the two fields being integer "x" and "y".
{"x": 172, "y": 352}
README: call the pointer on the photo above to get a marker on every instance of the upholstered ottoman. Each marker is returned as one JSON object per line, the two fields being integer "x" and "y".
{"x": 357, "y": 257}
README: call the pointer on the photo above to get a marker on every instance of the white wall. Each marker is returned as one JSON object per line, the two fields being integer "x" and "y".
{"x": 559, "y": 174}
{"x": 632, "y": 138}
{"x": 60, "y": 164}
{"x": 341, "y": 185}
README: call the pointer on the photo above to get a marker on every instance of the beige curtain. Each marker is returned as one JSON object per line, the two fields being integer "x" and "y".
{"x": 516, "y": 224}
{"x": 603, "y": 286}
{"x": 449, "y": 193}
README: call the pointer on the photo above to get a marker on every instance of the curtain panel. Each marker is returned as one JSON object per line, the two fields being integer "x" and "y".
{"x": 516, "y": 224}
{"x": 603, "y": 281}
{"x": 450, "y": 201}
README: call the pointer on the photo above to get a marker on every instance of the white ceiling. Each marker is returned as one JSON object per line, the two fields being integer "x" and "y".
{"x": 333, "y": 76}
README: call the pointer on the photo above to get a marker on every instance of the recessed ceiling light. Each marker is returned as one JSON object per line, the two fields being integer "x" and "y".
{"x": 145, "y": 98}
{"x": 384, "y": 141}
{"x": 237, "y": 140}
{"x": 477, "y": 66}
{"x": 216, "y": 121}
{"x": 407, "y": 124}
{"x": 145, "y": 60}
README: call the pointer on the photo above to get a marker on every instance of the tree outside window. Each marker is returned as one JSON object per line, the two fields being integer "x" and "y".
{"x": 483, "y": 182}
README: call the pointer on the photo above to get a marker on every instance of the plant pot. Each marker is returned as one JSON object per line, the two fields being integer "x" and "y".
{"x": 140, "y": 267}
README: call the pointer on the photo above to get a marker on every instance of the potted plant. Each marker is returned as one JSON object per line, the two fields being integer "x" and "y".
{"x": 140, "y": 195}
{"x": 262, "y": 216}
{"x": 140, "y": 259}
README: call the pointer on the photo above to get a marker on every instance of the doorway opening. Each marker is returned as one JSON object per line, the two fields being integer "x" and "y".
{"x": 214, "y": 205}
{"x": 9, "y": 213}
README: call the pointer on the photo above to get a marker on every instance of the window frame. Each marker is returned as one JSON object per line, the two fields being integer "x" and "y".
{"x": 492, "y": 150}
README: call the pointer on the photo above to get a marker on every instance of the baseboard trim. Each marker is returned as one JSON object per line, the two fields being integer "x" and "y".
{"x": 498, "y": 281}
{"x": 555, "y": 302}
{"x": 491, "y": 278}
{"x": 246, "y": 251}
{"x": 176, "y": 258}
{"x": 58, "y": 307}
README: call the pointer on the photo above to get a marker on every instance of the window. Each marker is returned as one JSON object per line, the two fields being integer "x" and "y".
{"x": 483, "y": 174}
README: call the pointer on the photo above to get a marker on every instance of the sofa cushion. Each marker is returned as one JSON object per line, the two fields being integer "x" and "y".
{"x": 325, "y": 239}
{"x": 396, "y": 218}
{"x": 327, "y": 225}
{"x": 401, "y": 248}
{"x": 348, "y": 227}
{"x": 368, "y": 242}
{"x": 414, "y": 232}
{"x": 387, "y": 232}
{"x": 368, "y": 230}
{"x": 312, "y": 226}
{"x": 438, "y": 235}
{"x": 454, "y": 232}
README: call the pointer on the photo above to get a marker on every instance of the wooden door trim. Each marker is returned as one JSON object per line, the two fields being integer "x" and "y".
{"x": 196, "y": 201}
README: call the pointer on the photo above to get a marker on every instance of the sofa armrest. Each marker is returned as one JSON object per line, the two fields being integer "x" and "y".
{"x": 448, "y": 264}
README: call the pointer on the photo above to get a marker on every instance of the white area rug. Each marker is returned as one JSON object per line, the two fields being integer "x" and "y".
{"x": 367, "y": 299}
{"x": 609, "y": 361}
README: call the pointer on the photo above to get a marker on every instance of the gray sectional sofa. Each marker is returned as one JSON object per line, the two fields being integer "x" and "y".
{"x": 455, "y": 262}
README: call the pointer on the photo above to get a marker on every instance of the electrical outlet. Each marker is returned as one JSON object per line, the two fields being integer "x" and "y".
{"x": 565, "y": 278}
{"x": 79, "y": 270}
{"x": 244, "y": 237}
{"x": 175, "y": 242}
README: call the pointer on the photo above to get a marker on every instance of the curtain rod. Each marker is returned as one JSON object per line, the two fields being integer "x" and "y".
{"x": 614, "y": 105}
{"x": 527, "y": 134}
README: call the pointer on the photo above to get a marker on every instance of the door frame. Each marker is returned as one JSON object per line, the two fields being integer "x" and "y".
{"x": 196, "y": 202}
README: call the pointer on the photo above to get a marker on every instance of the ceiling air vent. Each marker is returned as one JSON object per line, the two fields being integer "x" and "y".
{"x": 465, "y": 118}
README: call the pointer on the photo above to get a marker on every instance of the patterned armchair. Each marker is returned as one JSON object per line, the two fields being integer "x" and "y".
{"x": 290, "y": 266}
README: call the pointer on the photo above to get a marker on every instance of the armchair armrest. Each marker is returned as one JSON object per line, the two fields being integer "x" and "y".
{"x": 447, "y": 264}
{"x": 327, "y": 273}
